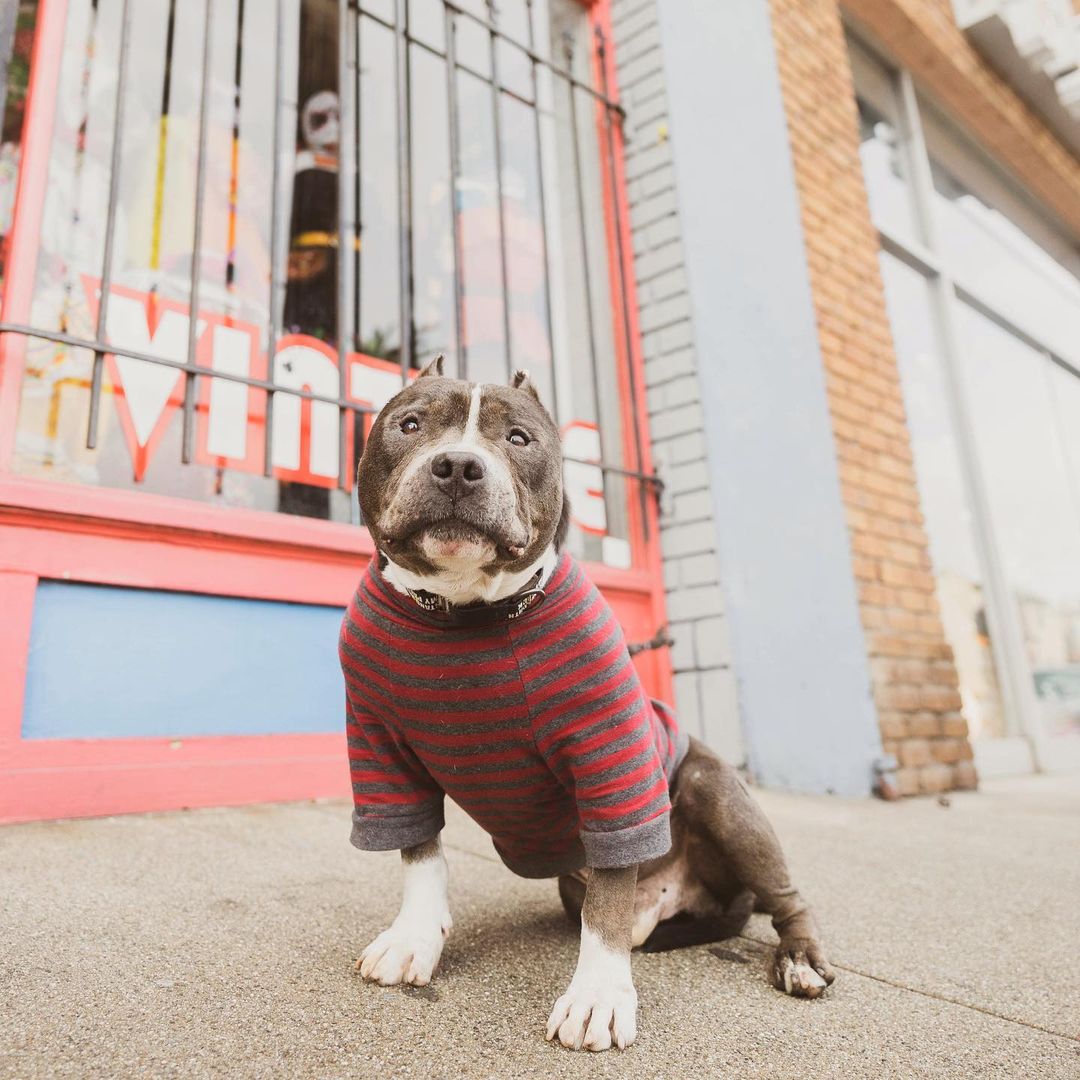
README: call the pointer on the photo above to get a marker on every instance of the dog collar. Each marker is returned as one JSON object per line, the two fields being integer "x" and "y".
{"x": 526, "y": 599}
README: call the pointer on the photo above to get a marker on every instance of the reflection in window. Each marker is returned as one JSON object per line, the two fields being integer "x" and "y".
{"x": 530, "y": 244}
{"x": 1029, "y": 473}
{"x": 957, "y": 573}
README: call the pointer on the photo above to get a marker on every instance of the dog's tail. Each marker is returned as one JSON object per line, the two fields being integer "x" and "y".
{"x": 685, "y": 930}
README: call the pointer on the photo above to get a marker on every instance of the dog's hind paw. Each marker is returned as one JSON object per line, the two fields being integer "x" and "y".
{"x": 801, "y": 970}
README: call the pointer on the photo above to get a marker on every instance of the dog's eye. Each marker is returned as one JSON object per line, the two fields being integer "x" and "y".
{"x": 517, "y": 437}
{"x": 410, "y": 425}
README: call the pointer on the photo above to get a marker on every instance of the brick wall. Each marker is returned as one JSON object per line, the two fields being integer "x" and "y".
{"x": 914, "y": 678}
{"x": 701, "y": 655}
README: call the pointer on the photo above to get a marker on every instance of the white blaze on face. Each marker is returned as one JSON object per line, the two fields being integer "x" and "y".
{"x": 500, "y": 482}
{"x": 464, "y": 555}
{"x": 470, "y": 436}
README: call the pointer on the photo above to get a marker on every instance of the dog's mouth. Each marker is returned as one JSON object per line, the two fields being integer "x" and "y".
{"x": 458, "y": 537}
{"x": 457, "y": 541}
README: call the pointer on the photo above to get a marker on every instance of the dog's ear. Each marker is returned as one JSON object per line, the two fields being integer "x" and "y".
{"x": 521, "y": 381}
{"x": 434, "y": 368}
{"x": 564, "y": 524}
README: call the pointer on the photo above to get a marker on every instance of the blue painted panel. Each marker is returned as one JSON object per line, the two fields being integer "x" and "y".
{"x": 116, "y": 663}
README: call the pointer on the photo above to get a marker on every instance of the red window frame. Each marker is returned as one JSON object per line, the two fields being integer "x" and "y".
{"x": 70, "y": 532}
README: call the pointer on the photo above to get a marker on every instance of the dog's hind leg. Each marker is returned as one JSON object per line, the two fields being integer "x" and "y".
{"x": 716, "y": 806}
{"x": 701, "y": 928}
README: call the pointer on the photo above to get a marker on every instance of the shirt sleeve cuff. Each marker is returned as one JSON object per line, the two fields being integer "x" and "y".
{"x": 627, "y": 847}
{"x": 392, "y": 828}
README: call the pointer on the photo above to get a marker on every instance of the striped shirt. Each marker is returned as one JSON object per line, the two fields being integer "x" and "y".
{"x": 539, "y": 728}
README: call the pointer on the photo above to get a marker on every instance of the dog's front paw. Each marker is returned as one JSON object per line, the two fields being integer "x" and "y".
{"x": 595, "y": 1017}
{"x": 404, "y": 954}
{"x": 800, "y": 969}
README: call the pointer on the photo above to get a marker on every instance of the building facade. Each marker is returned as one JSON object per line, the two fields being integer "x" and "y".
{"x": 800, "y": 283}
{"x": 932, "y": 152}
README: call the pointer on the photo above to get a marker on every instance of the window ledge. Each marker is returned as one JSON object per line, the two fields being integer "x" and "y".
{"x": 135, "y": 510}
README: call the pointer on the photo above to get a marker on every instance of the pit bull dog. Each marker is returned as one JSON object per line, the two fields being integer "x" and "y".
{"x": 480, "y": 663}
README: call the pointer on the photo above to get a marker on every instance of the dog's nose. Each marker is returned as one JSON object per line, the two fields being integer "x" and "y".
{"x": 457, "y": 472}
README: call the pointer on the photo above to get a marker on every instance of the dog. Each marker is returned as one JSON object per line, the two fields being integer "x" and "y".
{"x": 481, "y": 663}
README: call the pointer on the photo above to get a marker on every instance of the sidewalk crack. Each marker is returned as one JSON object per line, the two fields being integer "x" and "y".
{"x": 937, "y": 996}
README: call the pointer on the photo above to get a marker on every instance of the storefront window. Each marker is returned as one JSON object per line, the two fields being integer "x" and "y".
{"x": 478, "y": 180}
{"x": 1034, "y": 492}
{"x": 1007, "y": 318}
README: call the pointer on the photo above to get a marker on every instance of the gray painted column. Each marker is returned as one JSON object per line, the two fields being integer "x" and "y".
{"x": 799, "y": 655}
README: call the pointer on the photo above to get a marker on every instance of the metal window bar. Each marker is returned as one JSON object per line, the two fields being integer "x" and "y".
{"x": 500, "y": 201}
{"x": 234, "y": 150}
{"x": 70, "y": 287}
{"x": 348, "y": 234}
{"x": 450, "y": 34}
{"x": 347, "y": 75}
{"x": 403, "y": 101}
{"x": 163, "y": 142}
{"x": 549, "y": 322}
{"x": 277, "y": 287}
{"x": 357, "y": 342}
{"x": 75, "y": 342}
{"x": 101, "y": 329}
{"x": 191, "y": 376}
{"x": 586, "y": 276}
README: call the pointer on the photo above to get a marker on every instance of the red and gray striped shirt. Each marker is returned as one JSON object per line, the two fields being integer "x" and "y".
{"x": 539, "y": 728}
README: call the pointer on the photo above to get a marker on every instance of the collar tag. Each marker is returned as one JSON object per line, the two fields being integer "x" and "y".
{"x": 482, "y": 614}
{"x": 526, "y": 602}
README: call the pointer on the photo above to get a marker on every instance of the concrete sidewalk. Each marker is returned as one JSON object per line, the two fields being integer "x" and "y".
{"x": 221, "y": 943}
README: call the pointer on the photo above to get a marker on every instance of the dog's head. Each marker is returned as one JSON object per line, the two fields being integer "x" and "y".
{"x": 457, "y": 475}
